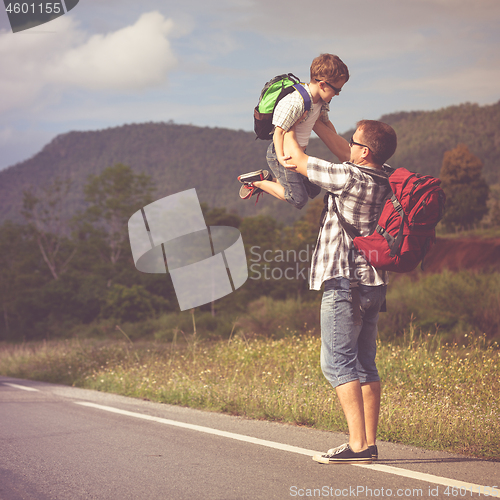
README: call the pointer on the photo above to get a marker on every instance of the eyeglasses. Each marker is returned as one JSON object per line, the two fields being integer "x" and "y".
{"x": 335, "y": 89}
{"x": 351, "y": 143}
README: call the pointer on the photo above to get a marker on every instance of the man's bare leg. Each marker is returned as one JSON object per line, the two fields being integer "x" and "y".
{"x": 351, "y": 400}
{"x": 371, "y": 404}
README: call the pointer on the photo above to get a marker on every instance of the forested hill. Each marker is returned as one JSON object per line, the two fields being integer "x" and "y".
{"x": 423, "y": 137}
{"x": 177, "y": 157}
{"x": 180, "y": 157}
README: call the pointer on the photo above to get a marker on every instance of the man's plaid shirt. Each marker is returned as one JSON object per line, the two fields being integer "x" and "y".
{"x": 359, "y": 198}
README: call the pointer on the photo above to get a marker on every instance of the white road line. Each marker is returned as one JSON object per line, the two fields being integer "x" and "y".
{"x": 23, "y": 387}
{"x": 207, "y": 430}
{"x": 430, "y": 478}
{"x": 474, "y": 488}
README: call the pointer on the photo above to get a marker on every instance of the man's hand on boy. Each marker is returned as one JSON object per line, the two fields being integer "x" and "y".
{"x": 283, "y": 161}
{"x": 297, "y": 155}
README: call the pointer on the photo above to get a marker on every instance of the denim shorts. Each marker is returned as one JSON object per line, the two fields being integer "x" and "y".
{"x": 298, "y": 189}
{"x": 348, "y": 350}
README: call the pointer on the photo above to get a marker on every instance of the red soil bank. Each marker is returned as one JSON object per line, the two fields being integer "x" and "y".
{"x": 459, "y": 254}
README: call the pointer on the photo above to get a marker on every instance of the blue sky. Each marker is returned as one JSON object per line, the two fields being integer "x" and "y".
{"x": 111, "y": 62}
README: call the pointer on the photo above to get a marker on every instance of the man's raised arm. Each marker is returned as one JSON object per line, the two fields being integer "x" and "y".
{"x": 298, "y": 157}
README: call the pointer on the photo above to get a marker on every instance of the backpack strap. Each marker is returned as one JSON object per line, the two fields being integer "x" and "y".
{"x": 354, "y": 287}
{"x": 394, "y": 243}
{"x": 305, "y": 95}
{"x": 427, "y": 245}
{"x": 350, "y": 229}
{"x": 381, "y": 176}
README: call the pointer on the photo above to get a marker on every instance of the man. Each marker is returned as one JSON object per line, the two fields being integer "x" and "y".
{"x": 348, "y": 323}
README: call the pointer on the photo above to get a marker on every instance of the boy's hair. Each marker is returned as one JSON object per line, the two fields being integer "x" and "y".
{"x": 328, "y": 67}
{"x": 380, "y": 138}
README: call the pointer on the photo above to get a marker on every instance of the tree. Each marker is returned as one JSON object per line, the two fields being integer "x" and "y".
{"x": 114, "y": 196}
{"x": 18, "y": 274}
{"x": 218, "y": 216}
{"x": 45, "y": 216}
{"x": 466, "y": 191}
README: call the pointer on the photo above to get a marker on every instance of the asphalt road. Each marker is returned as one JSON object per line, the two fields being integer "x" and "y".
{"x": 65, "y": 443}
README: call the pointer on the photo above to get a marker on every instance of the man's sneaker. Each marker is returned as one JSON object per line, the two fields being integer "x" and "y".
{"x": 344, "y": 455}
{"x": 374, "y": 451}
{"x": 247, "y": 191}
{"x": 258, "y": 175}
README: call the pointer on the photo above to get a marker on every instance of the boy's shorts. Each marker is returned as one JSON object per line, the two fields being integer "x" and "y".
{"x": 298, "y": 188}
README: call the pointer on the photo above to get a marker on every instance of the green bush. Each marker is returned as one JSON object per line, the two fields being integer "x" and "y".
{"x": 133, "y": 303}
{"x": 277, "y": 318}
{"x": 454, "y": 303}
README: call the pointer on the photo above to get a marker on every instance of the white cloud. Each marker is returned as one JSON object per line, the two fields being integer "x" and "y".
{"x": 34, "y": 65}
{"x": 131, "y": 58}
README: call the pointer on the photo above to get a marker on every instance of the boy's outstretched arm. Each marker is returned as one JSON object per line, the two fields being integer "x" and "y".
{"x": 298, "y": 159}
{"x": 334, "y": 142}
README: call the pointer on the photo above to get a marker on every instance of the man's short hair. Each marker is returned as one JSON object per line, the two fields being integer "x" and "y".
{"x": 380, "y": 138}
{"x": 328, "y": 67}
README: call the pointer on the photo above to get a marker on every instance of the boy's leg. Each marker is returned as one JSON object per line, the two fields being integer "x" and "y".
{"x": 289, "y": 186}
{"x": 273, "y": 188}
{"x": 312, "y": 189}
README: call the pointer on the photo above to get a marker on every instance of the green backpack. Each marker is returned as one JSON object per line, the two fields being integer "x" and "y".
{"x": 274, "y": 90}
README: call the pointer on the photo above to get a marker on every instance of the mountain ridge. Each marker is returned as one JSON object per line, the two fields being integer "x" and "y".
{"x": 180, "y": 157}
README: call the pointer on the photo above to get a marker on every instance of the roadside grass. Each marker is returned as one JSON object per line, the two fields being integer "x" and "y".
{"x": 453, "y": 303}
{"x": 437, "y": 396}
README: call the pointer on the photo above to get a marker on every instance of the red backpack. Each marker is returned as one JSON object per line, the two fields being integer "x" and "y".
{"x": 406, "y": 226}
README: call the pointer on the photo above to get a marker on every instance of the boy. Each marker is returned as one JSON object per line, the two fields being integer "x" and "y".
{"x": 328, "y": 74}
